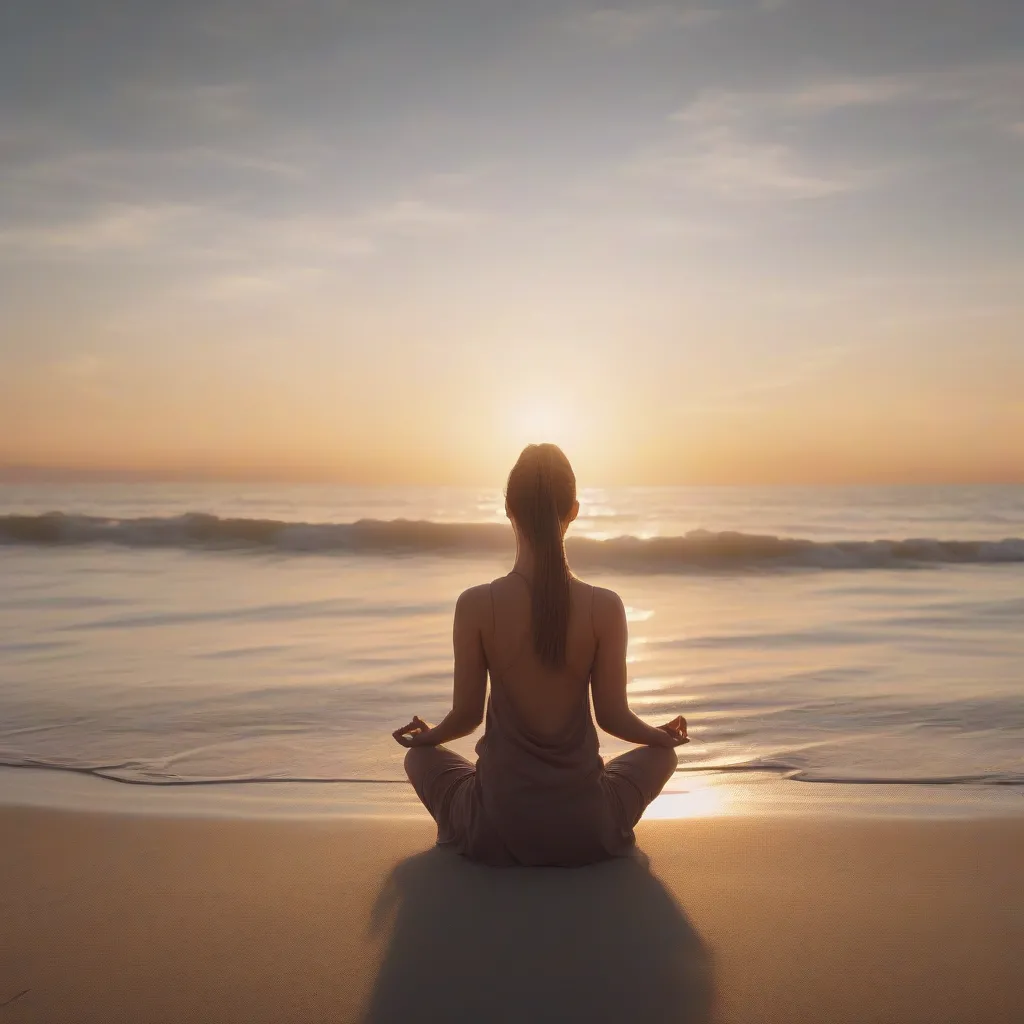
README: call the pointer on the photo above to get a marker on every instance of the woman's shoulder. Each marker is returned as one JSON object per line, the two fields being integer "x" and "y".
{"x": 474, "y": 595}
{"x": 606, "y": 601}
{"x": 473, "y": 601}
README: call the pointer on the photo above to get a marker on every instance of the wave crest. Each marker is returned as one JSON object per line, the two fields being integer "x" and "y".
{"x": 700, "y": 549}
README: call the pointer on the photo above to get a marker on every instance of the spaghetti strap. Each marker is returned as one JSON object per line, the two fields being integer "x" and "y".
{"x": 593, "y": 628}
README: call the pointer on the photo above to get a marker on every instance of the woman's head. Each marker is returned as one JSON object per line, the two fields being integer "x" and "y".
{"x": 540, "y": 499}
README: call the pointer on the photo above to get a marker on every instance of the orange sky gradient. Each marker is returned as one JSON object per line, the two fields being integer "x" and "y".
{"x": 775, "y": 243}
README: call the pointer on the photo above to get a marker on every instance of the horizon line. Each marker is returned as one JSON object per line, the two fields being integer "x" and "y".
{"x": 16, "y": 473}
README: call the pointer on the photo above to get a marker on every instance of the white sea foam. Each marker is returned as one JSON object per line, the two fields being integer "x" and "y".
{"x": 136, "y": 773}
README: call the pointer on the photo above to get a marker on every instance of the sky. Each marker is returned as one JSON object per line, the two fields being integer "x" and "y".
{"x": 749, "y": 241}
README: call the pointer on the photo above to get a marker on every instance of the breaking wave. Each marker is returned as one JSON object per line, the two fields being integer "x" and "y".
{"x": 699, "y": 549}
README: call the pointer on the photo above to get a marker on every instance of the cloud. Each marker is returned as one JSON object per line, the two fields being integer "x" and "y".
{"x": 758, "y": 385}
{"x": 90, "y": 203}
{"x": 82, "y": 366}
{"x": 251, "y": 258}
{"x": 742, "y": 143}
{"x": 415, "y": 215}
{"x": 722, "y": 158}
{"x": 637, "y": 23}
{"x": 258, "y": 283}
{"x": 216, "y": 104}
{"x": 111, "y": 170}
{"x": 994, "y": 91}
{"x": 740, "y": 168}
{"x": 112, "y": 228}
{"x": 714, "y": 107}
{"x": 725, "y": 142}
{"x": 623, "y": 26}
{"x": 356, "y": 233}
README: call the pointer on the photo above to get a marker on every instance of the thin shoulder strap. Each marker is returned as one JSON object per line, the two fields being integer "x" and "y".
{"x": 593, "y": 626}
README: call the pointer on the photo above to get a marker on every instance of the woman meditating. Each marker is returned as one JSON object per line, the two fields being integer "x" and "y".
{"x": 539, "y": 792}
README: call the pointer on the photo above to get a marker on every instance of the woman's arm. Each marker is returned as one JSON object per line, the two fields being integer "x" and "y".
{"x": 608, "y": 680}
{"x": 469, "y": 690}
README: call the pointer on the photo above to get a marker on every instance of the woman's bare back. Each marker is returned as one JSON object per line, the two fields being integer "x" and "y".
{"x": 546, "y": 700}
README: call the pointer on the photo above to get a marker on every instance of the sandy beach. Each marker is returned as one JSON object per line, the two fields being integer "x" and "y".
{"x": 139, "y": 918}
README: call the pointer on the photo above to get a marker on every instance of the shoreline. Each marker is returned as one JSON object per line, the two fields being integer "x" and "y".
{"x": 688, "y": 796}
{"x": 746, "y": 920}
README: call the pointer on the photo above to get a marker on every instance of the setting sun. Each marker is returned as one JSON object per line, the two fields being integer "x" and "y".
{"x": 539, "y": 420}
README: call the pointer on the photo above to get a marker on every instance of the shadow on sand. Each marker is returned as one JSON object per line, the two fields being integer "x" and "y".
{"x": 487, "y": 945}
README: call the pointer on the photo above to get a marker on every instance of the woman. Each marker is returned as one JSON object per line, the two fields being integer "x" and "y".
{"x": 539, "y": 792}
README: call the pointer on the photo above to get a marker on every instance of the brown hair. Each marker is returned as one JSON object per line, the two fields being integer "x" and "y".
{"x": 540, "y": 493}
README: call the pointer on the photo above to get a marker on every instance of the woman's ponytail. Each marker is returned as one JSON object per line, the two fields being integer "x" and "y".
{"x": 541, "y": 491}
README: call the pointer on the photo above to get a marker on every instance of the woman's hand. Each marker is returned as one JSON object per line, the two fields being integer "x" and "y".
{"x": 676, "y": 732}
{"x": 410, "y": 735}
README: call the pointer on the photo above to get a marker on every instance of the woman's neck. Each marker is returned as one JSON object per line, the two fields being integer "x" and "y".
{"x": 524, "y": 564}
{"x": 525, "y": 561}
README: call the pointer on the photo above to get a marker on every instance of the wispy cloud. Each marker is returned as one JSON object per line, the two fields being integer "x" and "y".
{"x": 257, "y": 283}
{"x": 414, "y": 215}
{"x": 747, "y": 144}
{"x": 113, "y": 228}
{"x": 228, "y": 235}
{"x": 83, "y": 366}
{"x": 113, "y": 168}
{"x": 722, "y": 160}
{"x": 356, "y": 233}
{"x": 212, "y": 103}
{"x": 622, "y": 26}
{"x": 715, "y": 107}
{"x": 993, "y": 91}
{"x": 254, "y": 258}
{"x": 765, "y": 385}
{"x": 725, "y": 142}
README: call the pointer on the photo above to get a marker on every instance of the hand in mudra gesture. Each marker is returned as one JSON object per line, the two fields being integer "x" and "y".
{"x": 409, "y": 734}
{"x": 676, "y": 731}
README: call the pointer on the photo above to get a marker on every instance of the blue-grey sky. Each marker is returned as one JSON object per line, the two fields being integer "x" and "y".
{"x": 748, "y": 240}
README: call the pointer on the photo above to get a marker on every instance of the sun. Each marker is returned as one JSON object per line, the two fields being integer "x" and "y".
{"x": 538, "y": 421}
{"x": 540, "y": 418}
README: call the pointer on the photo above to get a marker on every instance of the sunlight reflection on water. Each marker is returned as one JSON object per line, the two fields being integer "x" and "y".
{"x": 701, "y": 800}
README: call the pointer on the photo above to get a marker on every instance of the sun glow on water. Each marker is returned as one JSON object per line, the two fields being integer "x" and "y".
{"x": 699, "y": 801}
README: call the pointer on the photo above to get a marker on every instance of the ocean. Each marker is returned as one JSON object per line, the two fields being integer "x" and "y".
{"x": 172, "y": 635}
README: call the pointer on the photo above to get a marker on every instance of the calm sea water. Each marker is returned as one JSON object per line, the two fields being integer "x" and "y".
{"x": 170, "y": 634}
